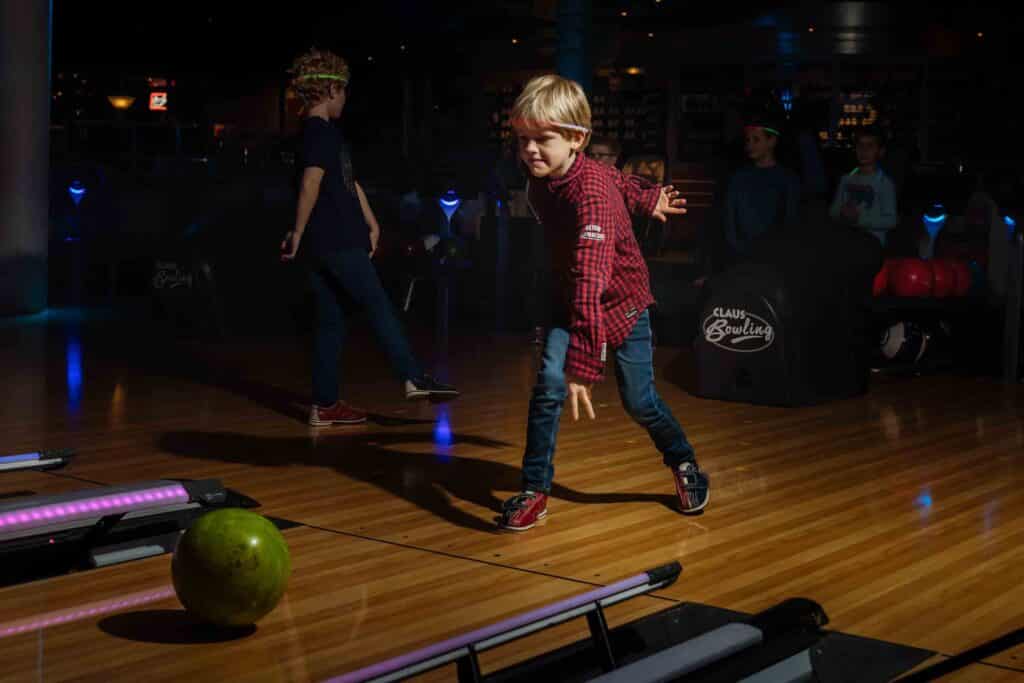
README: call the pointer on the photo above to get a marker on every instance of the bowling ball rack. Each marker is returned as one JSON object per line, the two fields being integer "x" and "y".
{"x": 947, "y": 321}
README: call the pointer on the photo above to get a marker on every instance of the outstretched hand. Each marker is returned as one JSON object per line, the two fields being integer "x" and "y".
{"x": 669, "y": 204}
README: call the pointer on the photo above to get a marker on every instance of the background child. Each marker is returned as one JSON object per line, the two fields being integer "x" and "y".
{"x": 336, "y": 233}
{"x": 604, "y": 149}
{"x": 763, "y": 198}
{"x": 602, "y": 295}
{"x": 867, "y": 197}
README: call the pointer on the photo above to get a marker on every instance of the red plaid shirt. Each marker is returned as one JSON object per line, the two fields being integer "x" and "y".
{"x": 601, "y": 275}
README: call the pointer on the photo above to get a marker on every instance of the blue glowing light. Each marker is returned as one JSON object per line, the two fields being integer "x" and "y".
{"x": 73, "y": 358}
{"x": 934, "y": 219}
{"x": 77, "y": 191}
{"x": 1011, "y": 225}
{"x": 443, "y": 429}
{"x": 449, "y": 203}
{"x": 787, "y": 100}
{"x": 924, "y": 500}
{"x": 443, "y": 437}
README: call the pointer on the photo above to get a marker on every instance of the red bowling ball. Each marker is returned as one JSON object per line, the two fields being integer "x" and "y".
{"x": 911, "y": 278}
{"x": 881, "y": 282}
{"x": 943, "y": 278}
{"x": 963, "y": 278}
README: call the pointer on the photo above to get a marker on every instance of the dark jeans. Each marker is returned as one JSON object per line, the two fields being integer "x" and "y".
{"x": 351, "y": 274}
{"x": 634, "y": 371}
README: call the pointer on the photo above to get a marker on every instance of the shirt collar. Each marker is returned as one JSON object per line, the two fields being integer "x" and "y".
{"x": 556, "y": 184}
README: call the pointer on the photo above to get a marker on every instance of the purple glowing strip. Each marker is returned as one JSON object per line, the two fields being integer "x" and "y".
{"x": 66, "y": 616}
{"x": 446, "y": 646}
{"x": 19, "y": 458}
{"x": 87, "y": 508}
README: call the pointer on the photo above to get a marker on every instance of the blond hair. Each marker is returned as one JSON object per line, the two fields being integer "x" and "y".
{"x": 315, "y": 74}
{"x": 551, "y": 101}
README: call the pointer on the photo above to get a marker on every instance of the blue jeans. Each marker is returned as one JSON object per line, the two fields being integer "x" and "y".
{"x": 634, "y": 371}
{"x": 351, "y": 273}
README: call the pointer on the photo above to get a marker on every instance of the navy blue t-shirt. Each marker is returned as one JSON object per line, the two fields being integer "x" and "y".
{"x": 336, "y": 222}
{"x": 760, "y": 201}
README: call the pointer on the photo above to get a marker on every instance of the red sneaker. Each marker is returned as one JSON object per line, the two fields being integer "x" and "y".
{"x": 522, "y": 511}
{"x": 338, "y": 414}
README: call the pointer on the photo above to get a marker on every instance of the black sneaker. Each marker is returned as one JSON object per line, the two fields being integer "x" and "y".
{"x": 428, "y": 387}
{"x": 692, "y": 486}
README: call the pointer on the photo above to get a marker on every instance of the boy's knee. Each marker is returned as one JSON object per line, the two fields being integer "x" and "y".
{"x": 551, "y": 383}
{"x": 640, "y": 406}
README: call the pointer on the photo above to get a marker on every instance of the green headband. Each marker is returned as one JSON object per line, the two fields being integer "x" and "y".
{"x": 765, "y": 128}
{"x": 323, "y": 77}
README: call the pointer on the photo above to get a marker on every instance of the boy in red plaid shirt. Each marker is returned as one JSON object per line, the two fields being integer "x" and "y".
{"x": 604, "y": 293}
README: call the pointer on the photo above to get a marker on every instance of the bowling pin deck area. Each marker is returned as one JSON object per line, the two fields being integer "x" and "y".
{"x": 900, "y": 512}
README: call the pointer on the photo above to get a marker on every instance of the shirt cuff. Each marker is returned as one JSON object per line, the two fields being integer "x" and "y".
{"x": 650, "y": 200}
{"x": 581, "y": 366}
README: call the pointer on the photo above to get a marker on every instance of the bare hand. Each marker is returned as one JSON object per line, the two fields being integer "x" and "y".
{"x": 580, "y": 393}
{"x": 290, "y": 246}
{"x": 669, "y": 204}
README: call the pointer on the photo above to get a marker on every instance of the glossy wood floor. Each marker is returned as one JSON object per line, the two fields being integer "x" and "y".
{"x": 901, "y": 512}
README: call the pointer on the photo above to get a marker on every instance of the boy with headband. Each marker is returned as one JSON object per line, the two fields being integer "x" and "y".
{"x": 602, "y": 293}
{"x": 338, "y": 233}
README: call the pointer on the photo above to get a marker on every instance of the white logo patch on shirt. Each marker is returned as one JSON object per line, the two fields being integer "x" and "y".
{"x": 592, "y": 232}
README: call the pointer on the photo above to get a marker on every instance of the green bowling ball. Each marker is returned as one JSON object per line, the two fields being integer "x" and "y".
{"x": 231, "y": 567}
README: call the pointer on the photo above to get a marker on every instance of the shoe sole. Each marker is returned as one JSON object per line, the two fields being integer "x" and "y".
{"x": 541, "y": 516}
{"x": 330, "y": 423}
{"x": 439, "y": 395}
{"x": 693, "y": 511}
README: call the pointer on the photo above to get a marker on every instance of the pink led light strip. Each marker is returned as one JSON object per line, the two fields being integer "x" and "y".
{"x": 114, "y": 503}
{"x": 92, "y": 609}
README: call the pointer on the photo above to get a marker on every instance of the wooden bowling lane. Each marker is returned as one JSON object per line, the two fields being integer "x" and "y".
{"x": 24, "y": 483}
{"x": 350, "y": 603}
{"x": 984, "y": 674}
{"x": 969, "y": 673}
{"x": 899, "y": 511}
{"x": 861, "y": 505}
